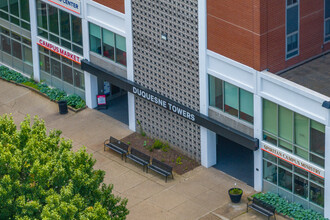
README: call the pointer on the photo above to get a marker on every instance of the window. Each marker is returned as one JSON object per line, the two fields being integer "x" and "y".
{"x": 95, "y": 38}
{"x": 60, "y": 27}
{"x": 61, "y": 72}
{"x": 16, "y": 11}
{"x": 231, "y": 99}
{"x": 294, "y": 180}
{"x": 292, "y": 28}
{"x": 19, "y": 48}
{"x": 326, "y": 20}
{"x": 107, "y": 44}
{"x": 294, "y": 133}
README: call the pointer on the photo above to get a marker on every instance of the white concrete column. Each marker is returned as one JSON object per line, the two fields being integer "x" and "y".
{"x": 327, "y": 173}
{"x": 130, "y": 68}
{"x": 208, "y": 138}
{"x": 257, "y": 134}
{"x": 91, "y": 88}
{"x": 208, "y": 147}
{"x": 34, "y": 45}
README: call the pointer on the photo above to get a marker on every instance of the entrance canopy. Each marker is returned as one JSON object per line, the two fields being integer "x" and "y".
{"x": 164, "y": 102}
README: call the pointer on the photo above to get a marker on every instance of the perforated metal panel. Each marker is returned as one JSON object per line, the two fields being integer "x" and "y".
{"x": 168, "y": 67}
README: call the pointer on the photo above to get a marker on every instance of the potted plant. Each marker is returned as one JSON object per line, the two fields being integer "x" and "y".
{"x": 235, "y": 194}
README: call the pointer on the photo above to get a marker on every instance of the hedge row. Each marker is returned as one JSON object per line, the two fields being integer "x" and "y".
{"x": 54, "y": 94}
{"x": 293, "y": 210}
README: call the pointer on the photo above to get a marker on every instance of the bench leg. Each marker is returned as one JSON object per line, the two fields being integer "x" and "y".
{"x": 247, "y": 207}
{"x": 165, "y": 179}
{"x": 147, "y": 169}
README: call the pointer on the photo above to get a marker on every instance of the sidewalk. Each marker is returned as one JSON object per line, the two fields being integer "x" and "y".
{"x": 199, "y": 194}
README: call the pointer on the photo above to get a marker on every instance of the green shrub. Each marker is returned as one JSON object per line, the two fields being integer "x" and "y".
{"x": 293, "y": 210}
{"x": 141, "y": 129}
{"x": 157, "y": 144}
{"x": 31, "y": 84}
{"x": 75, "y": 101}
{"x": 12, "y": 75}
{"x": 178, "y": 161}
{"x": 55, "y": 94}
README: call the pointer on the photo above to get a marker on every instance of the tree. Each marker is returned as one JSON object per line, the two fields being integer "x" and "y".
{"x": 41, "y": 178}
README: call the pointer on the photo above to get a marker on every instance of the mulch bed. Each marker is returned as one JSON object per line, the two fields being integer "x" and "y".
{"x": 137, "y": 141}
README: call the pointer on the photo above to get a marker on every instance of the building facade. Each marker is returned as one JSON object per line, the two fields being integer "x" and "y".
{"x": 222, "y": 81}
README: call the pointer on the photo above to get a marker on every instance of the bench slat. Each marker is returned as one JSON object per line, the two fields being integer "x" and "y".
{"x": 139, "y": 157}
{"x": 161, "y": 168}
{"x": 117, "y": 146}
{"x": 261, "y": 207}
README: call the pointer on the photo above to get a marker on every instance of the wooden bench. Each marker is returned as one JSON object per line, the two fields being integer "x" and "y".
{"x": 161, "y": 168}
{"x": 261, "y": 207}
{"x": 116, "y": 146}
{"x": 139, "y": 157}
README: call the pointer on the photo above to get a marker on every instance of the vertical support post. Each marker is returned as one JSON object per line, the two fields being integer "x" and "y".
{"x": 208, "y": 148}
{"x": 208, "y": 138}
{"x": 327, "y": 171}
{"x": 34, "y": 45}
{"x": 129, "y": 57}
{"x": 91, "y": 87}
{"x": 257, "y": 134}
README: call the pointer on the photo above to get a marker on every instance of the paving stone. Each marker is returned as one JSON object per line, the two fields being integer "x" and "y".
{"x": 189, "y": 210}
{"x": 168, "y": 199}
{"x": 210, "y": 216}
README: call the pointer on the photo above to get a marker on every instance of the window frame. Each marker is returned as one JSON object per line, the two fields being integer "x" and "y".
{"x": 294, "y": 173}
{"x": 223, "y": 99}
{"x": 22, "y": 22}
{"x": 292, "y": 143}
{"x": 59, "y": 35}
{"x": 326, "y": 19}
{"x": 287, "y": 53}
{"x": 102, "y": 43}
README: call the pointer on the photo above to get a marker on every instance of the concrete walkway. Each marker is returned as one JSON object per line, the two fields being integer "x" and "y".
{"x": 199, "y": 194}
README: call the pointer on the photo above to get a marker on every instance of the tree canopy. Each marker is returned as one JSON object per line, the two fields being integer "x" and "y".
{"x": 41, "y": 178}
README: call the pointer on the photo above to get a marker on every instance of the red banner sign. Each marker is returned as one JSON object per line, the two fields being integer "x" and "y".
{"x": 59, "y": 50}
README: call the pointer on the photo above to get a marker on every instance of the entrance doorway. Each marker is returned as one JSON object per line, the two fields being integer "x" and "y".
{"x": 235, "y": 160}
{"x": 117, "y": 101}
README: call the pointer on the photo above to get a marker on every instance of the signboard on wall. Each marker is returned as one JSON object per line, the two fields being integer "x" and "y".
{"x": 59, "y": 50}
{"x": 293, "y": 159}
{"x": 72, "y": 5}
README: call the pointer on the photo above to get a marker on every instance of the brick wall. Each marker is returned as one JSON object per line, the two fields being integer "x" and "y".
{"x": 252, "y": 32}
{"x": 118, "y": 5}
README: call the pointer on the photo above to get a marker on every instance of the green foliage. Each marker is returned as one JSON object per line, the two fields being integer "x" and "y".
{"x": 75, "y": 101}
{"x": 157, "y": 144}
{"x": 12, "y": 75}
{"x": 141, "y": 129}
{"x": 235, "y": 191}
{"x": 31, "y": 84}
{"x": 41, "y": 178}
{"x": 293, "y": 210}
{"x": 160, "y": 145}
{"x": 178, "y": 160}
{"x": 55, "y": 94}
{"x": 128, "y": 143}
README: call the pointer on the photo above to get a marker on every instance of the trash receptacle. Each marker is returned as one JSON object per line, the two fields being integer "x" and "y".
{"x": 63, "y": 106}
